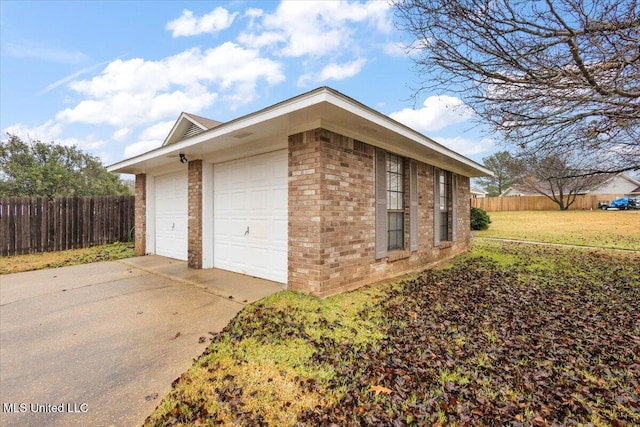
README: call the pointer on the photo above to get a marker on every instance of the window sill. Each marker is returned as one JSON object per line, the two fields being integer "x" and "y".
{"x": 397, "y": 255}
{"x": 445, "y": 245}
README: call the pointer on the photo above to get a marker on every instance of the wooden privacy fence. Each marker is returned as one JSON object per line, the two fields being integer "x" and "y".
{"x": 40, "y": 224}
{"x": 537, "y": 203}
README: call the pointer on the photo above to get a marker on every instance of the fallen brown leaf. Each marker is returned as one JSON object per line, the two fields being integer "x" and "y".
{"x": 380, "y": 389}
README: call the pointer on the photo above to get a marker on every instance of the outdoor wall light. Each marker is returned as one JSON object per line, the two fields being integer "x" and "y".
{"x": 183, "y": 159}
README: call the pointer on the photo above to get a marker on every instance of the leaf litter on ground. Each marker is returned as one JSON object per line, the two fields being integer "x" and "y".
{"x": 507, "y": 334}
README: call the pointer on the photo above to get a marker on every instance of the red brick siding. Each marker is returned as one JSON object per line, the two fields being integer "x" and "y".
{"x": 140, "y": 210}
{"x": 332, "y": 217}
{"x": 348, "y": 211}
{"x": 304, "y": 213}
{"x": 195, "y": 214}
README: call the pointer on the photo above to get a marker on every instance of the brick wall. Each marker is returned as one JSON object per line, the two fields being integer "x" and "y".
{"x": 195, "y": 214}
{"x": 348, "y": 211}
{"x": 332, "y": 217}
{"x": 305, "y": 210}
{"x": 140, "y": 209}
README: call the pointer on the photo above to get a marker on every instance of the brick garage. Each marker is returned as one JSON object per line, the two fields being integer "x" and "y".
{"x": 364, "y": 197}
{"x": 332, "y": 211}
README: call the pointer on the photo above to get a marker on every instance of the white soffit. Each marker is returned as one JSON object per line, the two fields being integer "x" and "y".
{"x": 323, "y": 105}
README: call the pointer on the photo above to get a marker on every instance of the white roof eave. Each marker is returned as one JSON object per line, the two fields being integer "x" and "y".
{"x": 305, "y": 101}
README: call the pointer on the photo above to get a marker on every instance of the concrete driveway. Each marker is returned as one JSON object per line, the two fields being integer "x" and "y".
{"x": 99, "y": 344}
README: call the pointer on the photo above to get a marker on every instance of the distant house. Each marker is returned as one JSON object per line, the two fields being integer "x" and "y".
{"x": 620, "y": 183}
{"x": 477, "y": 193}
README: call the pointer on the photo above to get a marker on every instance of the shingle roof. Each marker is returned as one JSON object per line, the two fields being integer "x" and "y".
{"x": 208, "y": 123}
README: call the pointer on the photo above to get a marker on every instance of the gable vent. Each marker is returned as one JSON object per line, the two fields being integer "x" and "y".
{"x": 193, "y": 130}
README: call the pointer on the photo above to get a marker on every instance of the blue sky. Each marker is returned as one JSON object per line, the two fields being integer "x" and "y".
{"x": 112, "y": 77}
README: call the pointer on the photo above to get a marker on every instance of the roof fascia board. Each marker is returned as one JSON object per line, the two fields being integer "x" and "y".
{"x": 630, "y": 178}
{"x": 174, "y": 128}
{"x": 285, "y": 107}
{"x": 317, "y": 96}
{"x": 177, "y": 125}
{"x": 387, "y": 122}
{"x": 412, "y": 154}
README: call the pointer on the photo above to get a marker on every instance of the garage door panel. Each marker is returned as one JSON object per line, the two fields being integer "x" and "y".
{"x": 261, "y": 231}
{"x": 279, "y": 198}
{"x": 171, "y": 215}
{"x": 239, "y": 202}
{"x": 252, "y": 193}
{"x": 259, "y": 201}
{"x": 279, "y": 229}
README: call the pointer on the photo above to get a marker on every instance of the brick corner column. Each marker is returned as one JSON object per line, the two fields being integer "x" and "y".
{"x": 195, "y": 214}
{"x": 140, "y": 212}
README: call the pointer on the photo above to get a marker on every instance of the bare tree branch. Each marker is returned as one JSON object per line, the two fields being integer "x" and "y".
{"x": 546, "y": 75}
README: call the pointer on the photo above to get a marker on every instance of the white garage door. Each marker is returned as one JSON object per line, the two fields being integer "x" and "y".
{"x": 171, "y": 215}
{"x": 250, "y": 216}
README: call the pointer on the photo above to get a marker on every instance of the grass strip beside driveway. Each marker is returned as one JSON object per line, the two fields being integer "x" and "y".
{"x": 39, "y": 261}
{"x": 508, "y": 333}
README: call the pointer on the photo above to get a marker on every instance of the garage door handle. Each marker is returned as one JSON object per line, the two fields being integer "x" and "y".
{"x": 246, "y": 233}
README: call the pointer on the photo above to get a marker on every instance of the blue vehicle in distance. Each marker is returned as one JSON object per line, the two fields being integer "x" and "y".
{"x": 623, "y": 203}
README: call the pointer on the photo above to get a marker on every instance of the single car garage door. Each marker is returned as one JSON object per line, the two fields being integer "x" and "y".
{"x": 250, "y": 216}
{"x": 171, "y": 215}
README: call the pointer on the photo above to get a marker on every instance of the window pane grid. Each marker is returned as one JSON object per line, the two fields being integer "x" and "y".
{"x": 444, "y": 226}
{"x": 444, "y": 183}
{"x": 395, "y": 182}
{"x": 395, "y": 202}
{"x": 395, "y": 230}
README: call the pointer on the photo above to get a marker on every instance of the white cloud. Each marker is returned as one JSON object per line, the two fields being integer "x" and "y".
{"x": 50, "y": 132}
{"x": 132, "y": 76}
{"x": 397, "y": 49}
{"x": 130, "y": 109}
{"x": 46, "y": 132}
{"x": 71, "y": 77}
{"x": 136, "y": 91}
{"x": 121, "y": 134}
{"x": 252, "y": 13}
{"x": 437, "y": 113}
{"x": 88, "y": 143}
{"x": 467, "y": 146}
{"x": 315, "y": 28}
{"x": 334, "y": 71}
{"x": 188, "y": 25}
{"x": 141, "y": 147}
{"x": 159, "y": 131}
{"x": 260, "y": 40}
{"x": 341, "y": 71}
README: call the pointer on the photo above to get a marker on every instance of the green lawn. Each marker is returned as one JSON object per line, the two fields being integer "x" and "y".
{"x": 506, "y": 334}
{"x": 606, "y": 229}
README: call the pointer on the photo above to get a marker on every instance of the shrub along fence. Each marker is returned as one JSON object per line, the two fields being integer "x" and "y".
{"x": 537, "y": 203}
{"x": 40, "y": 224}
